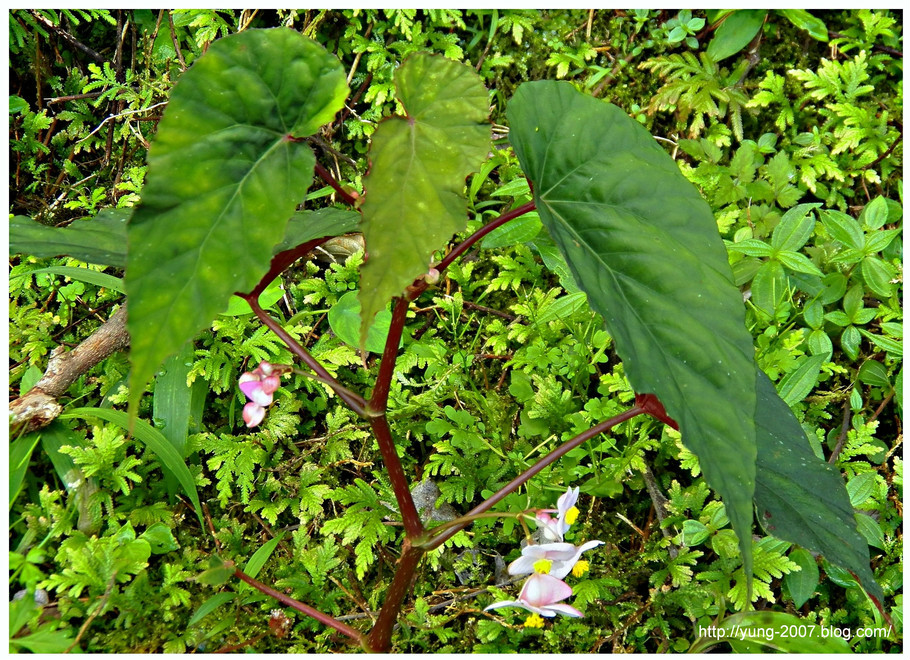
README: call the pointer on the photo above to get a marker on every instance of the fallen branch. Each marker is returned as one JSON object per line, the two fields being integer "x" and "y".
{"x": 39, "y": 407}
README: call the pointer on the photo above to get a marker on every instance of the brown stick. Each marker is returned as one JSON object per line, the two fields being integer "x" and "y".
{"x": 39, "y": 407}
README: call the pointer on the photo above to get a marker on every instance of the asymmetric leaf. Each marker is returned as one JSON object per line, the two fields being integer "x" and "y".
{"x": 799, "y": 497}
{"x": 414, "y": 192}
{"x": 644, "y": 246}
{"x": 225, "y": 175}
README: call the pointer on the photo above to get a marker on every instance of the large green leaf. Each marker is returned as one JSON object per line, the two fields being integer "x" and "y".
{"x": 799, "y": 497}
{"x": 414, "y": 192}
{"x": 225, "y": 175}
{"x": 98, "y": 240}
{"x": 644, "y": 246}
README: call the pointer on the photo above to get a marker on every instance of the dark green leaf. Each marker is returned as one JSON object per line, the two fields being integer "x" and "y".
{"x": 595, "y": 172}
{"x": 344, "y": 319}
{"x": 802, "y": 583}
{"x": 225, "y": 175}
{"x": 415, "y": 200}
{"x": 870, "y": 530}
{"x": 893, "y": 347}
{"x": 806, "y": 21}
{"x": 54, "y": 436}
{"x": 798, "y": 496}
{"x": 860, "y": 488}
{"x": 169, "y": 458}
{"x": 873, "y": 372}
{"x": 820, "y": 344}
{"x": 304, "y": 226}
{"x": 218, "y": 572}
{"x": 98, "y": 240}
{"x": 797, "y": 384}
{"x": 736, "y": 32}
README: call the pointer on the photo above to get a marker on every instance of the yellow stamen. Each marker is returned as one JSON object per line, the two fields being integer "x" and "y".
{"x": 572, "y": 515}
{"x": 543, "y": 565}
{"x": 580, "y": 568}
{"x": 534, "y": 621}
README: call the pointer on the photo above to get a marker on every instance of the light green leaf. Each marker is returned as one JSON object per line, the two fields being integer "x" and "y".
{"x": 160, "y": 538}
{"x": 795, "y": 228}
{"x": 806, "y": 21}
{"x": 843, "y": 228}
{"x": 798, "y": 496}
{"x": 878, "y": 275}
{"x": 519, "y": 230}
{"x": 237, "y": 306}
{"x": 414, "y": 191}
{"x": 259, "y": 558}
{"x": 225, "y": 174}
{"x": 875, "y": 213}
{"x": 170, "y": 458}
{"x": 210, "y": 606}
{"x": 798, "y": 262}
{"x": 644, "y": 246}
{"x": 752, "y": 247}
{"x": 20, "y": 454}
{"x": 344, "y": 319}
{"x": 85, "y": 275}
{"x": 736, "y": 32}
{"x": 873, "y": 372}
{"x": 98, "y": 240}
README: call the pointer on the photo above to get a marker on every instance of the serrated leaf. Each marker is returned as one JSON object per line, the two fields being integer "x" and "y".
{"x": 595, "y": 172}
{"x": 99, "y": 240}
{"x": 736, "y": 32}
{"x": 798, "y": 496}
{"x": 802, "y": 583}
{"x": 795, "y": 228}
{"x": 225, "y": 175}
{"x": 797, "y": 384}
{"x": 414, "y": 192}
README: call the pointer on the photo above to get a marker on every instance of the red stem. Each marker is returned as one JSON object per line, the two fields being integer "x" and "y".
{"x": 379, "y": 400}
{"x": 413, "y": 527}
{"x": 326, "y": 176}
{"x": 483, "y": 231}
{"x": 323, "y": 618}
{"x": 380, "y": 637}
{"x": 355, "y": 401}
{"x": 553, "y": 456}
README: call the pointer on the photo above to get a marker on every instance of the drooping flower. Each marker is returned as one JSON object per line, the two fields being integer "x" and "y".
{"x": 554, "y": 529}
{"x": 541, "y": 594}
{"x": 259, "y": 385}
{"x": 559, "y": 558}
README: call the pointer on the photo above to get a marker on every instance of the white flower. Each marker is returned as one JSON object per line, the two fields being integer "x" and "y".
{"x": 560, "y": 558}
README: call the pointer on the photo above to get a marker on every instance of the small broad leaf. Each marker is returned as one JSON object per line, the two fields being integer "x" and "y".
{"x": 735, "y": 33}
{"x": 798, "y": 496}
{"x": 795, "y": 228}
{"x": 802, "y": 583}
{"x": 806, "y": 21}
{"x": 226, "y": 171}
{"x": 344, "y": 319}
{"x": 414, "y": 192}
{"x": 99, "y": 240}
{"x": 644, "y": 246}
{"x": 797, "y": 384}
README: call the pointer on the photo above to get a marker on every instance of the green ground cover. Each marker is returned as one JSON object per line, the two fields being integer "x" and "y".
{"x": 788, "y": 123}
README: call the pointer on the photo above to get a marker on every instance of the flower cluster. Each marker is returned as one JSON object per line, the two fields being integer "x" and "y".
{"x": 258, "y": 386}
{"x": 548, "y": 563}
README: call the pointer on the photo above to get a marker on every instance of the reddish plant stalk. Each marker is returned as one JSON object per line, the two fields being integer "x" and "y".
{"x": 553, "y": 456}
{"x": 354, "y": 401}
{"x": 380, "y": 638}
{"x": 326, "y": 176}
{"x": 483, "y": 231}
{"x": 380, "y": 398}
{"x": 413, "y": 527}
{"x": 323, "y": 618}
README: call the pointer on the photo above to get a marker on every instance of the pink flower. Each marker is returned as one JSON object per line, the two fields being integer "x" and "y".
{"x": 561, "y": 558}
{"x": 258, "y": 386}
{"x": 541, "y": 594}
